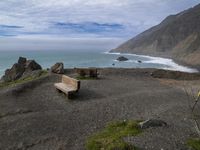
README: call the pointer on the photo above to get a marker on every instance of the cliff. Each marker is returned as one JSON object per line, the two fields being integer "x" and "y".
{"x": 176, "y": 37}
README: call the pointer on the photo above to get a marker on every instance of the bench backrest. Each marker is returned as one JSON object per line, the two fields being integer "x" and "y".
{"x": 72, "y": 82}
{"x": 92, "y": 72}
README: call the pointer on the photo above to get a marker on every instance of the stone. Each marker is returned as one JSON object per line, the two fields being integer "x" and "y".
{"x": 31, "y": 65}
{"x": 58, "y": 68}
{"x": 22, "y": 60}
{"x": 152, "y": 123}
{"x": 14, "y": 73}
{"x": 23, "y": 66}
{"x": 139, "y": 61}
{"x": 122, "y": 58}
{"x": 33, "y": 74}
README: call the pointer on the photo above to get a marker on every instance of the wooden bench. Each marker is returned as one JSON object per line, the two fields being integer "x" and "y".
{"x": 68, "y": 85}
{"x": 87, "y": 72}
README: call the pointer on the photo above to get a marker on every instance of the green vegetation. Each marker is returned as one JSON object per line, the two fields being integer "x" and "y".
{"x": 23, "y": 80}
{"x": 194, "y": 144}
{"x": 86, "y": 78}
{"x": 111, "y": 138}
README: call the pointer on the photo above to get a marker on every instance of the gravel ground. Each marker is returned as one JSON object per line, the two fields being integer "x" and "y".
{"x": 40, "y": 118}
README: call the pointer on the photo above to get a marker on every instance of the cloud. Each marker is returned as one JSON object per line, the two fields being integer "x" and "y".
{"x": 9, "y": 30}
{"x": 89, "y": 28}
{"x": 9, "y": 27}
{"x": 84, "y": 18}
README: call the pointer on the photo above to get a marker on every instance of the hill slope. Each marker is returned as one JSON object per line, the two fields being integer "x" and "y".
{"x": 177, "y": 37}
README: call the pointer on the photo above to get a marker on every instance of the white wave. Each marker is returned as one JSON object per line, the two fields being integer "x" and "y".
{"x": 163, "y": 61}
{"x": 128, "y": 61}
{"x": 127, "y": 54}
{"x": 112, "y": 53}
{"x": 171, "y": 65}
{"x": 133, "y": 61}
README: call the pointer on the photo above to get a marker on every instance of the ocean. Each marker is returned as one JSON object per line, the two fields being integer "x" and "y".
{"x": 101, "y": 59}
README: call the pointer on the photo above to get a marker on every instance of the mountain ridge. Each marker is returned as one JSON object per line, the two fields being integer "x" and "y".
{"x": 176, "y": 37}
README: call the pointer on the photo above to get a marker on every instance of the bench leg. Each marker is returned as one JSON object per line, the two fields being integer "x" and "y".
{"x": 70, "y": 95}
{"x": 59, "y": 91}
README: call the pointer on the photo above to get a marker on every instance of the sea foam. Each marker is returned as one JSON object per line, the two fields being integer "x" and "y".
{"x": 171, "y": 65}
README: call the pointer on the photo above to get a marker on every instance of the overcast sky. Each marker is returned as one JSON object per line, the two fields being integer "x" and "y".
{"x": 73, "y": 24}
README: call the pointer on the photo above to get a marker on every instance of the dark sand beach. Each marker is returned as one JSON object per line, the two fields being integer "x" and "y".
{"x": 35, "y": 116}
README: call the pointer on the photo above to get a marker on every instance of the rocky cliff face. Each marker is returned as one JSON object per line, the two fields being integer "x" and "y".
{"x": 177, "y": 37}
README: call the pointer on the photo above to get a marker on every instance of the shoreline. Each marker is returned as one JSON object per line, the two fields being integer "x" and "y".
{"x": 174, "y": 65}
{"x": 149, "y": 62}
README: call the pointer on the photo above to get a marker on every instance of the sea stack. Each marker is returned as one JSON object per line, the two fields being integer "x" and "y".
{"x": 122, "y": 58}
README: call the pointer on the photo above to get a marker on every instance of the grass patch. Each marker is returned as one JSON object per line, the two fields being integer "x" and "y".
{"x": 111, "y": 138}
{"x": 23, "y": 80}
{"x": 194, "y": 143}
{"x": 86, "y": 78}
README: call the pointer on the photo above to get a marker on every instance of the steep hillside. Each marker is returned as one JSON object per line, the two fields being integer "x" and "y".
{"x": 178, "y": 37}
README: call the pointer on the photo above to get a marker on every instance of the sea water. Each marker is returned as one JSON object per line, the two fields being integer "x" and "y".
{"x": 100, "y": 59}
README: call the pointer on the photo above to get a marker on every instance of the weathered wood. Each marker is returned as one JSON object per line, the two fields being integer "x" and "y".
{"x": 68, "y": 85}
{"x": 71, "y": 82}
{"x": 89, "y": 72}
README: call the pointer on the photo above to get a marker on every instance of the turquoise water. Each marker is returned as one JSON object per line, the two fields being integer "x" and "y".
{"x": 73, "y": 59}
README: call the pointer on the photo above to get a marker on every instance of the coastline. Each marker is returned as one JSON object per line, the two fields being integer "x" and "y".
{"x": 102, "y": 60}
{"x": 174, "y": 64}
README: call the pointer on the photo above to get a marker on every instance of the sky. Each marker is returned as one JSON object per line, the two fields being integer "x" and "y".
{"x": 79, "y": 24}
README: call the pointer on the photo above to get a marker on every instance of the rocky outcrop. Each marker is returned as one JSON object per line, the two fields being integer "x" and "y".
{"x": 18, "y": 70}
{"x": 31, "y": 65}
{"x": 122, "y": 58}
{"x": 14, "y": 73}
{"x": 176, "y": 37}
{"x": 58, "y": 68}
{"x": 22, "y": 60}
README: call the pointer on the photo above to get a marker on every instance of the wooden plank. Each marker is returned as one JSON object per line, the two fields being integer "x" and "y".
{"x": 68, "y": 85}
{"x": 91, "y": 72}
{"x": 65, "y": 88}
{"x": 70, "y": 81}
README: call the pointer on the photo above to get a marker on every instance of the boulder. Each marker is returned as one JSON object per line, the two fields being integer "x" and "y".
{"x": 122, "y": 58}
{"x": 152, "y": 123}
{"x": 33, "y": 74}
{"x": 31, "y": 65}
{"x": 58, "y": 68}
{"x": 22, "y": 60}
{"x": 14, "y": 73}
{"x": 23, "y": 66}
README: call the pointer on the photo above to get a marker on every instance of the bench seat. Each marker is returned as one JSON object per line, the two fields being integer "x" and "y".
{"x": 65, "y": 88}
{"x": 68, "y": 85}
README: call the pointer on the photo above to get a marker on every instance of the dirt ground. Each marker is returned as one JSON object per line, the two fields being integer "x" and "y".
{"x": 37, "y": 117}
